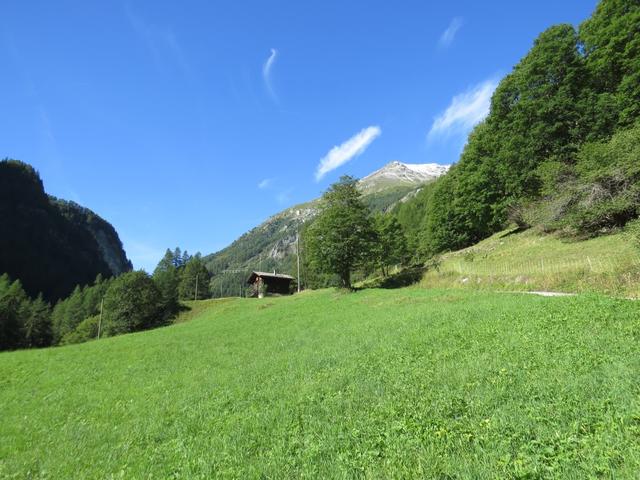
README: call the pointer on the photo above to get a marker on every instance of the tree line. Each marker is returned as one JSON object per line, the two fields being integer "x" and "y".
{"x": 131, "y": 302}
{"x": 559, "y": 149}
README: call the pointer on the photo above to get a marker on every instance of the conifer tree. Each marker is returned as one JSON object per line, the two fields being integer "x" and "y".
{"x": 167, "y": 278}
{"x": 177, "y": 257}
{"x": 194, "y": 272}
{"x": 14, "y": 308}
{"x": 37, "y": 328}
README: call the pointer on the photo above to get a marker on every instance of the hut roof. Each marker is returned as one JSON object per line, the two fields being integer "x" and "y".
{"x": 254, "y": 275}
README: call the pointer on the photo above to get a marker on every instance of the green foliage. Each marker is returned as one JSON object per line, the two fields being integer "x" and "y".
{"x": 342, "y": 237}
{"x": 80, "y": 305}
{"x": 470, "y": 201}
{"x": 407, "y": 383}
{"x": 150, "y": 301}
{"x": 85, "y": 331}
{"x": 382, "y": 200}
{"x": 23, "y": 322}
{"x": 167, "y": 276}
{"x": 37, "y": 324}
{"x": 132, "y": 303}
{"x": 412, "y": 216}
{"x": 52, "y": 245}
{"x": 611, "y": 42}
{"x": 543, "y": 156}
{"x": 14, "y": 308}
{"x": 194, "y": 280}
{"x": 391, "y": 243}
{"x": 599, "y": 193}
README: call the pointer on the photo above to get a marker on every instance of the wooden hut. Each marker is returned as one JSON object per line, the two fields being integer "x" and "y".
{"x": 265, "y": 283}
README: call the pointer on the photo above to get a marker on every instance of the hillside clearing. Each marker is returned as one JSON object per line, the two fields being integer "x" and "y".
{"x": 535, "y": 262}
{"x": 377, "y": 384}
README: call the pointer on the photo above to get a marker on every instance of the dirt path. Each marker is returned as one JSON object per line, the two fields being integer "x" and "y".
{"x": 551, "y": 294}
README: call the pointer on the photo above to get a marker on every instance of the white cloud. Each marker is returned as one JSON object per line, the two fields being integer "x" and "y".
{"x": 465, "y": 111}
{"x": 266, "y": 183}
{"x": 449, "y": 34}
{"x": 266, "y": 72}
{"x": 339, "y": 155}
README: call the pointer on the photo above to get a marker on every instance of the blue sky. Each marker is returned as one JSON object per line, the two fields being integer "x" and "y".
{"x": 188, "y": 123}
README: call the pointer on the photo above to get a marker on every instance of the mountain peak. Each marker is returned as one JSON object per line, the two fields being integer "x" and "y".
{"x": 398, "y": 173}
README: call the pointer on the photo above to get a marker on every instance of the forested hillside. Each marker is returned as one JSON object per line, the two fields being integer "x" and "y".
{"x": 49, "y": 244}
{"x": 560, "y": 149}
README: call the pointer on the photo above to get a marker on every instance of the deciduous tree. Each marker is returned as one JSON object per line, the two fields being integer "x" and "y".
{"x": 342, "y": 236}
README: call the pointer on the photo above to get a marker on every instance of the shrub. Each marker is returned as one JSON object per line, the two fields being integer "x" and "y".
{"x": 132, "y": 303}
{"x": 85, "y": 331}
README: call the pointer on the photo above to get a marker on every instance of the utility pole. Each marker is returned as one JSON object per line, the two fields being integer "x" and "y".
{"x": 298, "y": 255}
{"x": 196, "y": 287}
{"x": 298, "y": 246}
{"x": 100, "y": 319}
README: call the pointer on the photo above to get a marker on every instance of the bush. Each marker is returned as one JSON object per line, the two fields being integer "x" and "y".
{"x": 599, "y": 194}
{"x": 132, "y": 303}
{"x": 85, "y": 331}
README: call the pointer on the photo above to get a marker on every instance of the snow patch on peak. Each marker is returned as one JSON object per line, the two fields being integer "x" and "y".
{"x": 432, "y": 169}
{"x": 398, "y": 173}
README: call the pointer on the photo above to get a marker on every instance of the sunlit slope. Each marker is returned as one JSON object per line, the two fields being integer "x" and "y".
{"x": 380, "y": 384}
{"x": 534, "y": 261}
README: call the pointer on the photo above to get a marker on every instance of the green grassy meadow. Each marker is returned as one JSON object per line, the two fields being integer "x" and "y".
{"x": 533, "y": 261}
{"x": 376, "y": 384}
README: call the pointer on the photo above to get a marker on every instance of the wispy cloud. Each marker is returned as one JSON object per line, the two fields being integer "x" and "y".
{"x": 47, "y": 130}
{"x": 449, "y": 34}
{"x": 465, "y": 111}
{"x": 266, "y": 183}
{"x": 266, "y": 72}
{"x": 161, "y": 41}
{"x": 341, "y": 154}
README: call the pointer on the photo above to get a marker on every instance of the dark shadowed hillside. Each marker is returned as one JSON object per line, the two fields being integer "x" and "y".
{"x": 52, "y": 245}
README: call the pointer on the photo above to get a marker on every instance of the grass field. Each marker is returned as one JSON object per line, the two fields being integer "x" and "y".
{"x": 376, "y": 384}
{"x": 532, "y": 261}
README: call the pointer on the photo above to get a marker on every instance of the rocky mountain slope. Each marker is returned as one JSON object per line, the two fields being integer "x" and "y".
{"x": 271, "y": 245}
{"x": 396, "y": 174}
{"x": 52, "y": 245}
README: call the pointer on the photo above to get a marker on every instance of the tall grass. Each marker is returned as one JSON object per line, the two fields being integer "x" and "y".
{"x": 530, "y": 261}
